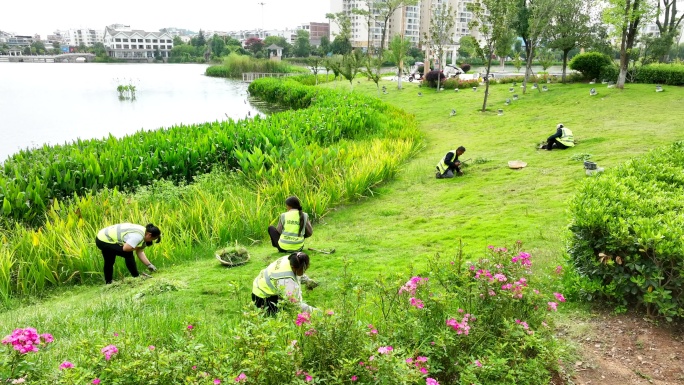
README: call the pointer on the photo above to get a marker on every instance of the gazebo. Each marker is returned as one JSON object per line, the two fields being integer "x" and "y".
{"x": 278, "y": 52}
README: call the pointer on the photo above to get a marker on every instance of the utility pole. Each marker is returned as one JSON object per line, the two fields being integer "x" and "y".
{"x": 262, "y": 18}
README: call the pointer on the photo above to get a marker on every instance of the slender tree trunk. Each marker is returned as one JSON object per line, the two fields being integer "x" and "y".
{"x": 528, "y": 66}
{"x": 401, "y": 73}
{"x": 489, "y": 66}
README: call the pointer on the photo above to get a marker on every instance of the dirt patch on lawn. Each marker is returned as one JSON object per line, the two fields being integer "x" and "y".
{"x": 627, "y": 349}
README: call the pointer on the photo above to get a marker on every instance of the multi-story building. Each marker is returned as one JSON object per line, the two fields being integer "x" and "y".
{"x": 122, "y": 42}
{"x": 316, "y": 32}
{"x": 85, "y": 36}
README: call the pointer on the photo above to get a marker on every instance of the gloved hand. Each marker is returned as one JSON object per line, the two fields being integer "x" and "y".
{"x": 151, "y": 267}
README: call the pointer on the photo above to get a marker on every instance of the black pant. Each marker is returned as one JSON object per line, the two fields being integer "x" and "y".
{"x": 552, "y": 143}
{"x": 109, "y": 252}
{"x": 270, "y": 303}
{"x": 275, "y": 237}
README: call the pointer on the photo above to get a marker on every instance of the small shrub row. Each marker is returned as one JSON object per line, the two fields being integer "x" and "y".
{"x": 235, "y": 65}
{"x": 660, "y": 73}
{"x": 628, "y": 231}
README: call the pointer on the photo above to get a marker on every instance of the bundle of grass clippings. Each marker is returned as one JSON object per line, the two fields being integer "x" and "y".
{"x": 233, "y": 256}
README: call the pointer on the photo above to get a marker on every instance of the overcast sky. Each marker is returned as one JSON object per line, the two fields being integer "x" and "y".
{"x": 45, "y": 16}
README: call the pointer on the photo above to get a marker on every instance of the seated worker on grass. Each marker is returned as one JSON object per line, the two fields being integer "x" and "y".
{"x": 562, "y": 139}
{"x": 450, "y": 164}
{"x": 293, "y": 227}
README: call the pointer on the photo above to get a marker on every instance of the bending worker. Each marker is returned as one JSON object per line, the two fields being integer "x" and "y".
{"x": 293, "y": 227}
{"x": 281, "y": 279}
{"x": 121, "y": 240}
{"x": 562, "y": 139}
{"x": 450, "y": 164}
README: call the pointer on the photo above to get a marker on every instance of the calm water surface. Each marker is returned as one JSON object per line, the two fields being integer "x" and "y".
{"x": 55, "y": 103}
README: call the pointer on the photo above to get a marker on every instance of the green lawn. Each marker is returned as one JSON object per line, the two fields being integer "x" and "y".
{"x": 394, "y": 228}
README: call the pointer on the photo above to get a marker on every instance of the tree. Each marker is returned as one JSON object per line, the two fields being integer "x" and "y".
{"x": 625, "y": 16}
{"x": 349, "y": 66}
{"x": 56, "y": 47}
{"x": 82, "y": 47}
{"x": 254, "y": 44}
{"x": 217, "y": 45}
{"x": 325, "y": 45}
{"x": 342, "y": 43}
{"x": 315, "y": 63}
{"x": 571, "y": 28}
{"x": 504, "y": 46}
{"x": 39, "y": 47}
{"x": 399, "y": 48}
{"x": 368, "y": 15}
{"x": 177, "y": 40}
{"x": 546, "y": 58}
{"x": 200, "y": 40}
{"x": 669, "y": 25}
{"x": 492, "y": 19}
{"x": 466, "y": 47}
{"x": 441, "y": 24}
{"x": 302, "y": 47}
{"x": 533, "y": 25}
{"x": 99, "y": 49}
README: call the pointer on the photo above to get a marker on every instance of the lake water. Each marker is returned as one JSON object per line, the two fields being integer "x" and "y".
{"x": 56, "y": 103}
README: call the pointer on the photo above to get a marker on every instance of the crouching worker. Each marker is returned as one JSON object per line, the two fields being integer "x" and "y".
{"x": 450, "y": 164}
{"x": 293, "y": 227}
{"x": 121, "y": 240}
{"x": 281, "y": 280}
{"x": 562, "y": 139}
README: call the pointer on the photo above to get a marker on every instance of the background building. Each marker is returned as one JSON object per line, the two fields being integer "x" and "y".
{"x": 85, "y": 36}
{"x": 122, "y": 42}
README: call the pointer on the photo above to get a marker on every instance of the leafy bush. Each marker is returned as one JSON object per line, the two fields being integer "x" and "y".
{"x": 590, "y": 64}
{"x": 610, "y": 72}
{"x": 659, "y": 73}
{"x": 484, "y": 321}
{"x": 628, "y": 232}
{"x": 432, "y": 76}
{"x": 235, "y": 65}
{"x": 453, "y": 83}
{"x": 465, "y": 67}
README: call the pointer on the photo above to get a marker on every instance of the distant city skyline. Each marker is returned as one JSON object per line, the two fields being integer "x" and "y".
{"x": 43, "y": 17}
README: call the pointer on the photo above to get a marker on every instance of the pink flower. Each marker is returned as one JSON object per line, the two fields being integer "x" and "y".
{"x": 303, "y": 318}
{"x": 190, "y": 327}
{"x": 559, "y": 269}
{"x": 308, "y": 378}
{"x": 241, "y": 378}
{"x": 559, "y": 297}
{"x": 431, "y": 381}
{"x": 96, "y": 381}
{"x": 354, "y": 378}
{"x": 460, "y": 327}
{"x": 194, "y": 367}
{"x": 478, "y": 363}
{"x": 310, "y": 332}
{"x": 330, "y": 312}
{"x": 47, "y": 338}
{"x": 217, "y": 381}
{"x": 385, "y": 349}
{"x": 552, "y": 306}
{"x": 372, "y": 331}
{"x": 409, "y": 361}
{"x": 109, "y": 351}
{"x": 421, "y": 359}
{"x": 424, "y": 370}
{"x": 416, "y": 302}
{"x": 66, "y": 365}
{"x": 151, "y": 347}
{"x": 412, "y": 285}
{"x": 522, "y": 323}
{"x": 116, "y": 334}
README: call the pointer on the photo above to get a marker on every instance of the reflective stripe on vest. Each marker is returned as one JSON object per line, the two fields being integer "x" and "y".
{"x": 567, "y": 139}
{"x": 115, "y": 234}
{"x": 442, "y": 166}
{"x": 291, "y": 239}
{"x": 264, "y": 286}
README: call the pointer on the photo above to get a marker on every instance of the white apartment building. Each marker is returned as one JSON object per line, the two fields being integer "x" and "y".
{"x": 122, "y": 42}
{"x": 405, "y": 20}
{"x": 86, "y": 36}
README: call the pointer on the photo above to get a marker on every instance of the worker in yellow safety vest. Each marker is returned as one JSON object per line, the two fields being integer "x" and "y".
{"x": 293, "y": 227}
{"x": 281, "y": 280}
{"x": 121, "y": 240}
{"x": 450, "y": 164}
{"x": 562, "y": 139}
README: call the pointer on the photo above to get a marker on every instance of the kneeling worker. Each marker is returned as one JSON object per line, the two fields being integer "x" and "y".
{"x": 450, "y": 164}
{"x": 562, "y": 139}
{"x": 281, "y": 280}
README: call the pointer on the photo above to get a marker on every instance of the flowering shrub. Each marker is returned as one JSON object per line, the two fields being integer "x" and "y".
{"x": 458, "y": 322}
{"x": 20, "y": 344}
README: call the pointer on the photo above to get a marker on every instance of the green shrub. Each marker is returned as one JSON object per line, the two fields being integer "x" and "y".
{"x": 453, "y": 83}
{"x": 590, "y": 64}
{"x": 659, "y": 73}
{"x": 610, "y": 72}
{"x": 235, "y": 65}
{"x": 628, "y": 231}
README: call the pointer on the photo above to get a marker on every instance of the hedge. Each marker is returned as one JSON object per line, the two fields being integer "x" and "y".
{"x": 659, "y": 73}
{"x": 628, "y": 234}
{"x": 590, "y": 64}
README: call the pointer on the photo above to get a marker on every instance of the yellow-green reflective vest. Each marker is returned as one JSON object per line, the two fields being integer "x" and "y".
{"x": 115, "y": 234}
{"x": 567, "y": 138}
{"x": 265, "y": 283}
{"x": 291, "y": 239}
{"x": 442, "y": 166}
